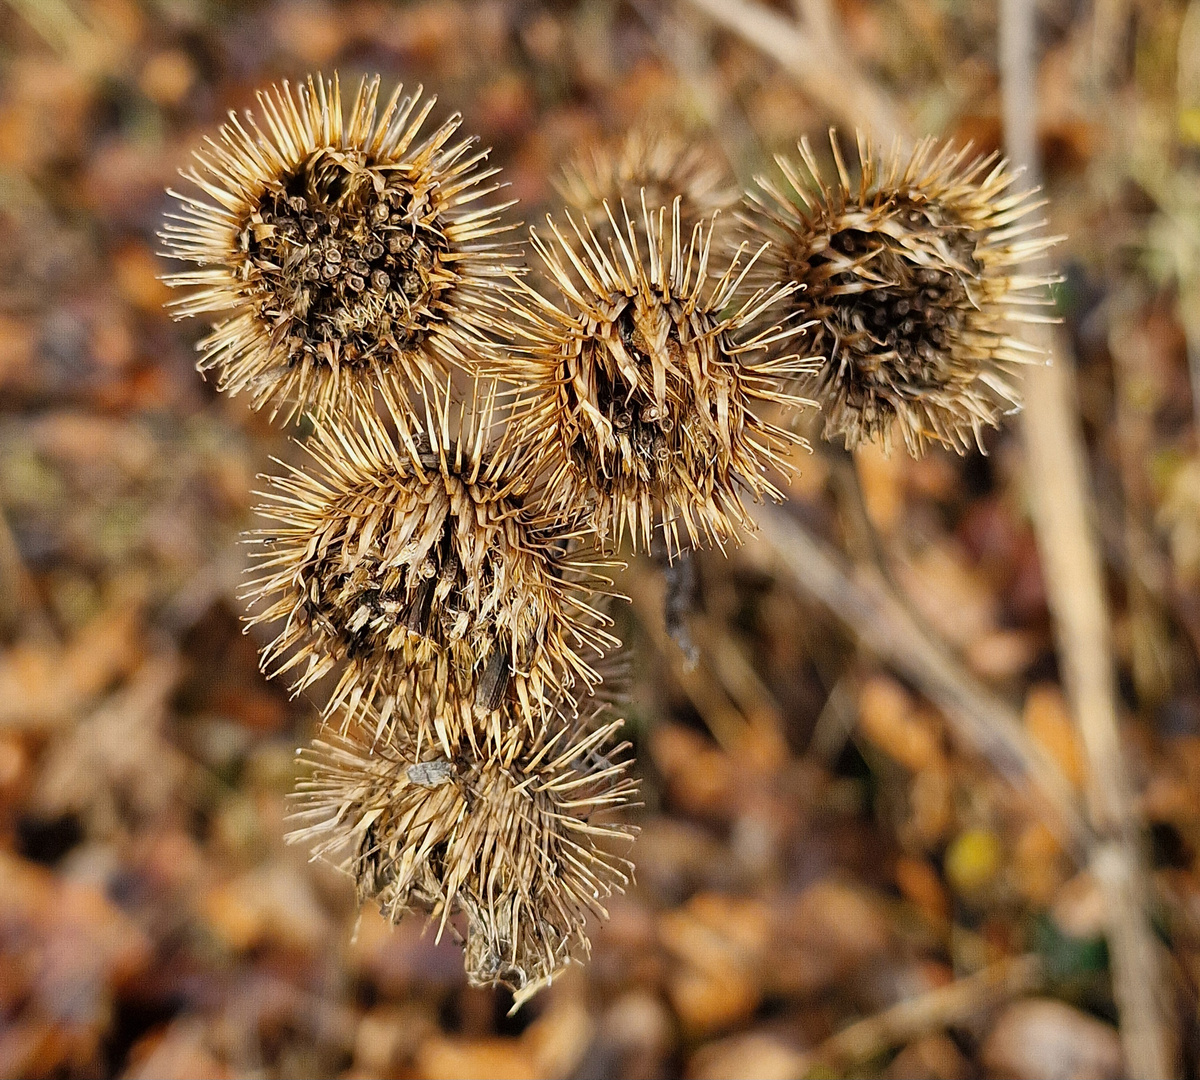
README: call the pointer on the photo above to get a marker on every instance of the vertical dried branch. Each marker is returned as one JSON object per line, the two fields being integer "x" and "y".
{"x": 1075, "y": 590}
{"x": 1186, "y": 255}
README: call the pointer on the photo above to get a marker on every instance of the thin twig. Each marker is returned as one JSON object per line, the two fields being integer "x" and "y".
{"x": 945, "y": 1006}
{"x": 721, "y": 715}
{"x": 1182, "y": 200}
{"x": 827, "y": 75}
{"x": 881, "y": 622}
{"x": 1075, "y": 592}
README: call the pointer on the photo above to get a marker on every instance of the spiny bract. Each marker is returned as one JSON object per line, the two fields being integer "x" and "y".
{"x": 347, "y": 254}
{"x": 647, "y": 383}
{"x": 659, "y": 164}
{"x": 414, "y": 563}
{"x": 913, "y": 276}
{"x": 517, "y": 840}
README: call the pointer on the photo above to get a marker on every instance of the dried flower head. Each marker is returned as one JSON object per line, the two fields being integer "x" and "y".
{"x": 912, "y": 274}
{"x": 645, "y": 383}
{"x": 518, "y": 840}
{"x": 345, "y": 254}
{"x": 661, "y": 164}
{"x": 413, "y": 562}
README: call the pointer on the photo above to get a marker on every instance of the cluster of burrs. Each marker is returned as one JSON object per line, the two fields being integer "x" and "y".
{"x": 480, "y": 450}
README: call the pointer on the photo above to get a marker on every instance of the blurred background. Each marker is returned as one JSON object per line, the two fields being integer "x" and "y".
{"x": 874, "y": 841}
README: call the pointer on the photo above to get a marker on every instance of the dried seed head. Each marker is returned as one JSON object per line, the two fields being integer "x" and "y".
{"x": 661, "y": 164}
{"x": 645, "y": 385}
{"x": 413, "y": 563}
{"x": 451, "y": 707}
{"x": 346, "y": 253}
{"x": 518, "y": 839}
{"x": 912, "y": 274}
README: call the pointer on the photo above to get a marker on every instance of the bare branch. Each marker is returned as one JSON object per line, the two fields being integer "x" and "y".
{"x": 882, "y": 623}
{"x": 942, "y": 1007}
{"x": 1075, "y": 591}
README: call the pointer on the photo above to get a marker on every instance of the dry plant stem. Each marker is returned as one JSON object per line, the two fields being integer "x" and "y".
{"x": 721, "y": 715}
{"x": 1075, "y": 592}
{"x": 1146, "y": 571}
{"x": 862, "y": 538}
{"x": 1075, "y": 595}
{"x": 825, "y": 74}
{"x": 881, "y": 622}
{"x": 943, "y": 1007}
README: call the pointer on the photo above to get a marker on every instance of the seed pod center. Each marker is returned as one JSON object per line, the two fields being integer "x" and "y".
{"x": 615, "y": 377}
{"x": 340, "y": 260}
{"x": 895, "y": 305}
{"x": 422, "y": 597}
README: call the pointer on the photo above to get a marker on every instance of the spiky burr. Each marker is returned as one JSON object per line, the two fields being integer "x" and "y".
{"x": 518, "y": 840}
{"x": 413, "y": 563}
{"x": 661, "y": 164}
{"x": 650, "y": 382}
{"x": 912, "y": 274}
{"x": 339, "y": 252}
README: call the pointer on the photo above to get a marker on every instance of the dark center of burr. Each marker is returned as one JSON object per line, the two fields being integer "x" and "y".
{"x": 340, "y": 262}
{"x": 447, "y": 592}
{"x": 367, "y": 604}
{"x": 894, "y": 322}
{"x": 638, "y": 442}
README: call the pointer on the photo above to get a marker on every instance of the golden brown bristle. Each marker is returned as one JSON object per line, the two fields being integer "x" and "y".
{"x": 912, "y": 275}
{"x": 342, "y": 253}
{"x": 517, "y": 840}
{"x": 662, "y": 165}
{"x": 647, "y": 381}
{"x": 413, "y": 562}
